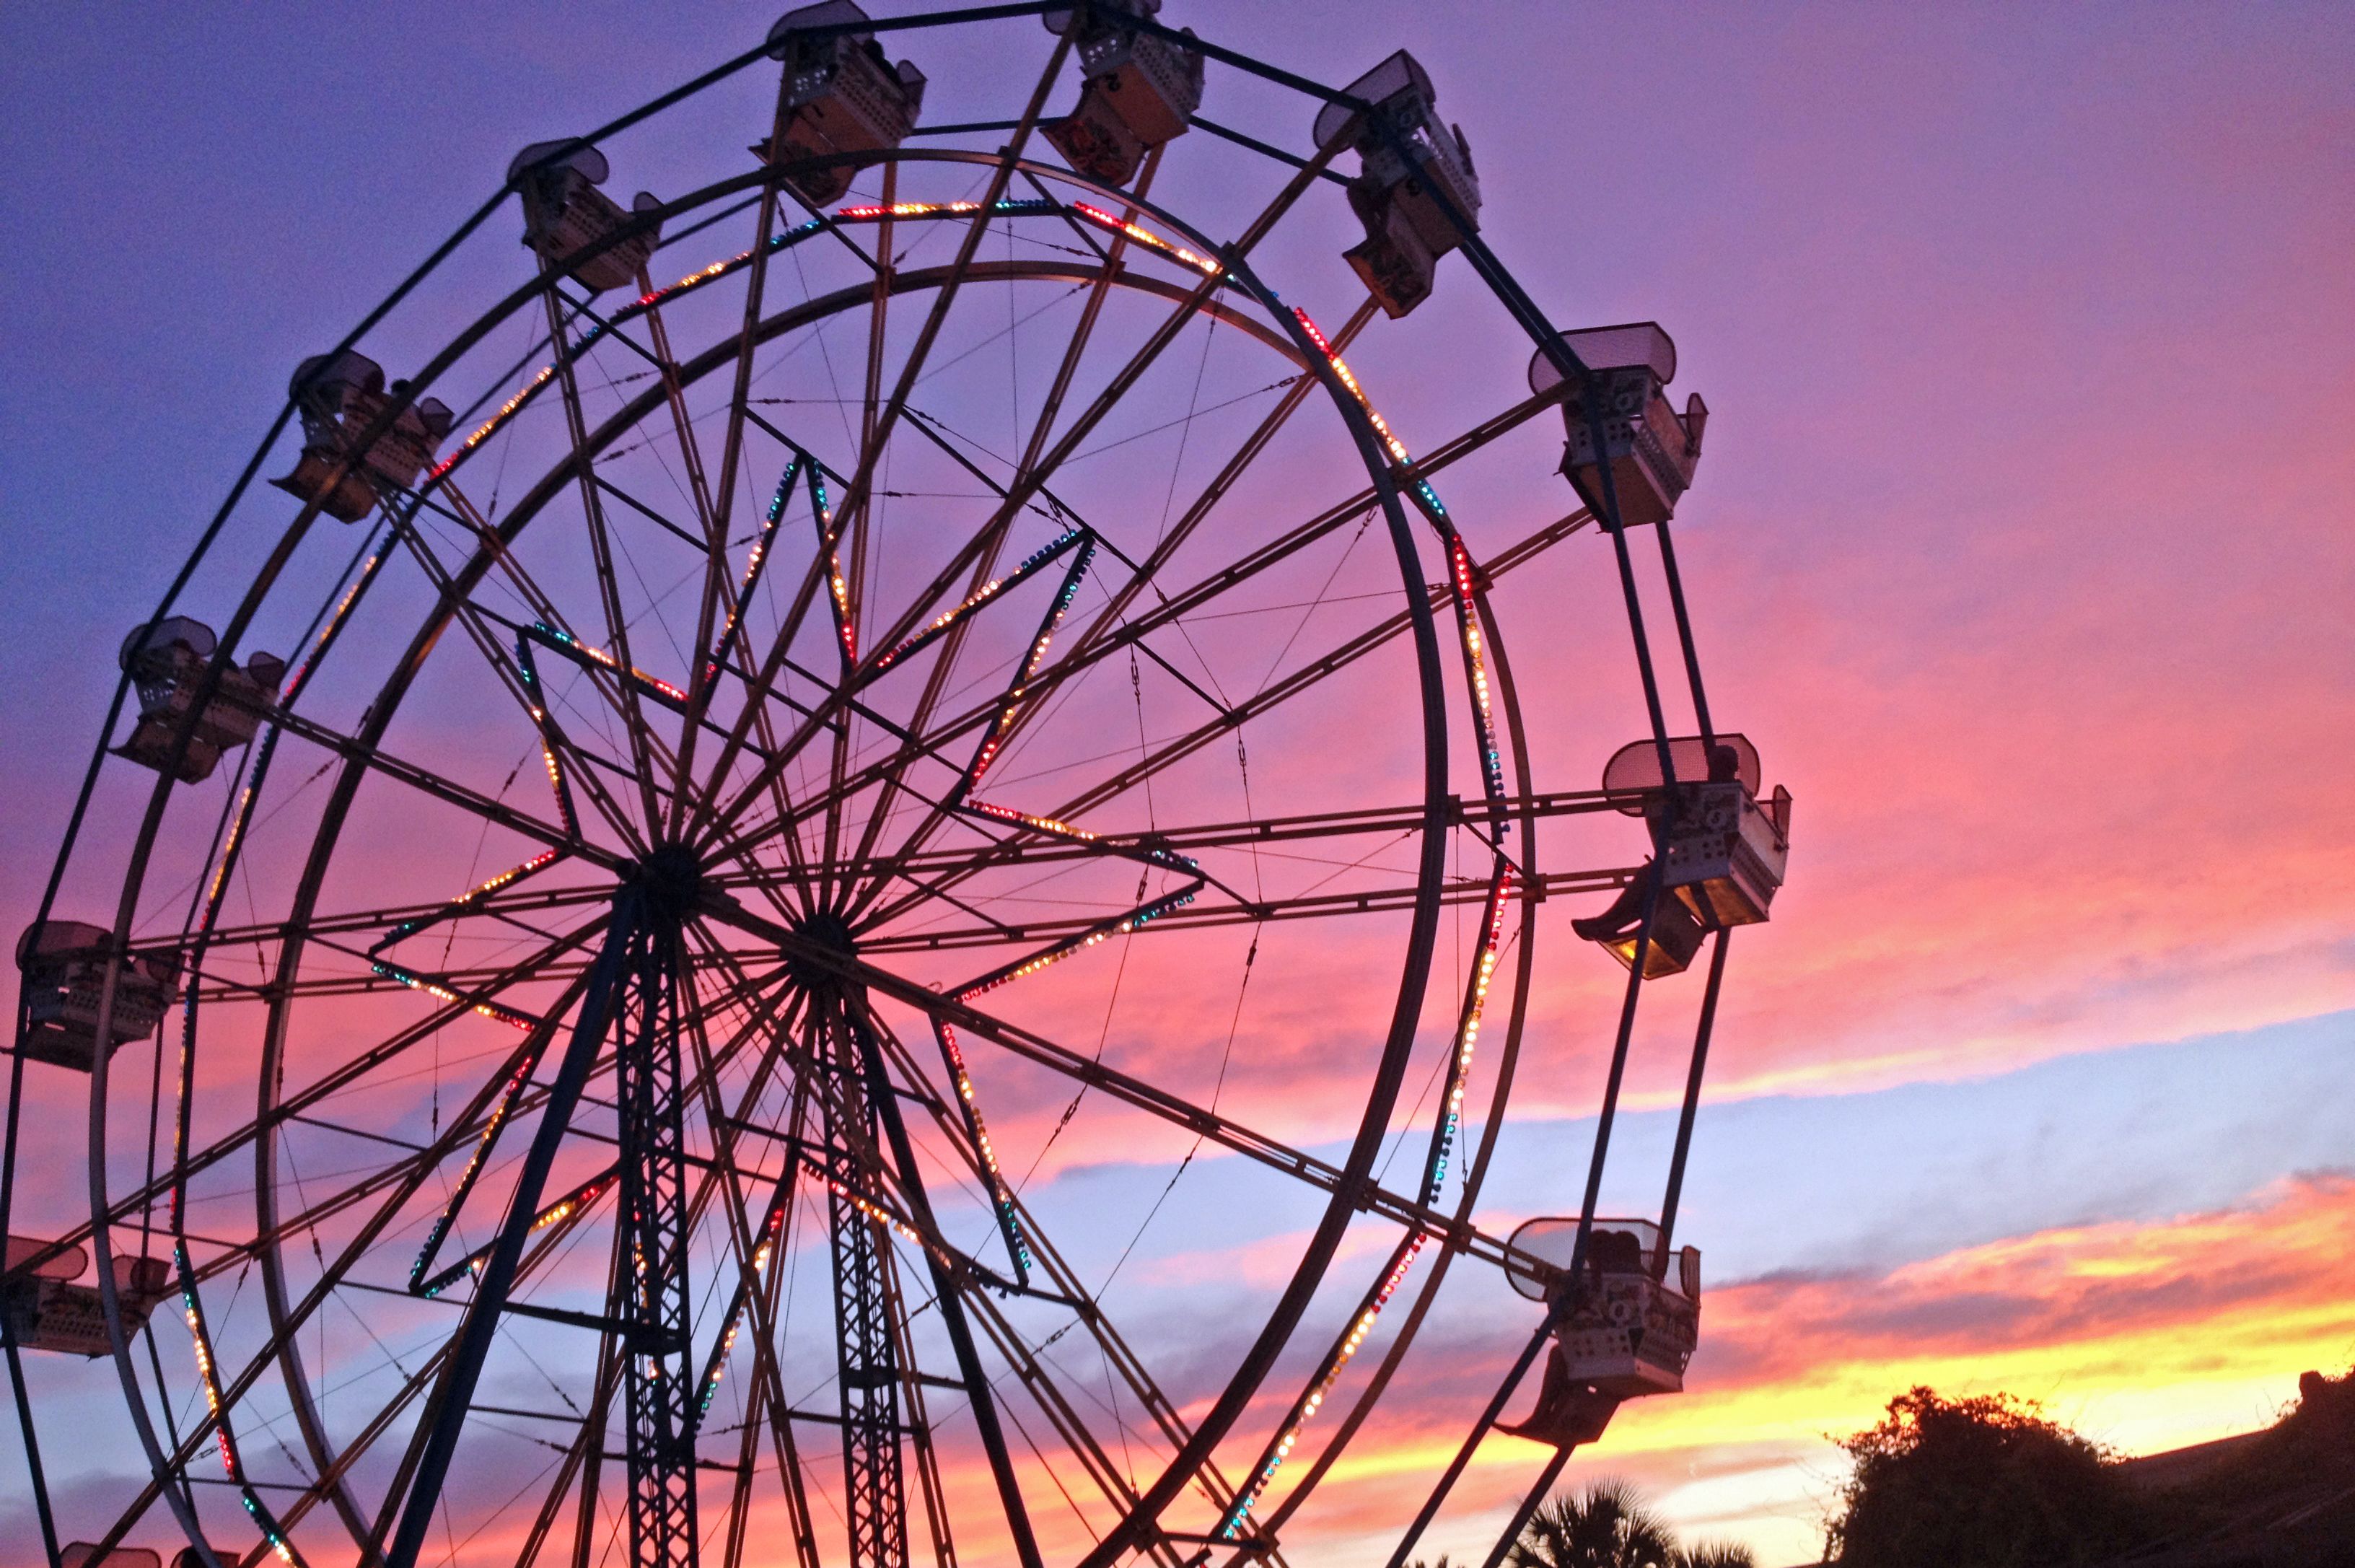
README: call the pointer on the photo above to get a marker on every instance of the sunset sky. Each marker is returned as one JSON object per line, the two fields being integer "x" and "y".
{"x": 2022, "y": 550}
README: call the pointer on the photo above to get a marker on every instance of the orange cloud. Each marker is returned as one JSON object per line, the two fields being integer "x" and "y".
{"x": 2146, "y": 1336}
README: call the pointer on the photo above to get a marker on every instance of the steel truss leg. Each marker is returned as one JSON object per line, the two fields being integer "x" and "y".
{"x": 661, "y": 1380}
{"x": 875, "y": 1503}
{"x": 947, "y": 1286}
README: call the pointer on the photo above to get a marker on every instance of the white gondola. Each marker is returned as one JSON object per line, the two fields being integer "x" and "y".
{"x": 842, "y": 96}
{"x": 1626, "y": 1326}
{"x": 1651, "y": 448}
{"x": 564, "y": 213}
{"x": 47, "y": 1311}
{"x": 340, "y": 397}
{"x": 1726, "y": 853}
{"x": 1399, "y": 198}
{"x": 63, "y": 967}
{"x": 167, "y": 664}
{"x": 1137, "y": 91}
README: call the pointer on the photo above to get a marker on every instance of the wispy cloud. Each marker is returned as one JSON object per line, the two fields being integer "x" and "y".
{"x": 2143, "y": 1335}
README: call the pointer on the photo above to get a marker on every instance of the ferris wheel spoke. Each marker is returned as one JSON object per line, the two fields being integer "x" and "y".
{"x": 1311, "y": 673}
{"x": 1068, "y": 1422}
{"x": 406, "y": 1178}
{"x": 717, "y": 659}
{"x": 856, "y": 522}
{"x": 1275, "y": 695}
{"x": 581, "y": 1454}
{"x": 1475, "y": 814}
{"x": 330, "y": 1476}
{"x": 474, "y": 1121}
{"x": 754, "y": 1247}
{"x": 865, "y": 884}
{"x": 493, "y": 548}
{"x": 586, "y": 1441}
{"x": 870, "y": 883}
{"x": 878, "y": 430}
{"x": 721, "y": 509}
{"x": 969, "y": 1138}
{"x": 1195, "y": 916}
{"x": 1037, "y": 1374}
{"x": 512, "y": 676}
{"x": 601, "y": 547}
{"x": 691, "y": 451}
{"x": 1083, "y": 1068}
{"x": 650, "y": 512}
{"x": 866, "y": 1158}
{"x": 959, "y": 800}
{"x": 1026, "y": 1360}
{"x": 980, "y": 554}
{"x": 608, "y": 675}
{"x": 800, "y": 1020}
{"x": 1144, "y": 574}
{"x": 1020, "y": 848}
{"x": 288, "y": 1107}
{"x": 417, "y": 777}
{"x": 332, "y": 1468}
{"x": 762, "y": 688}
{"x": 760, "y": 681}
{"x": 1105, "y": 635}
{"x": 1173, "y": 608}
{"x": 506, "y": 904}
{"x": 469, "y": 986}
{"x": 287, "y": 1322}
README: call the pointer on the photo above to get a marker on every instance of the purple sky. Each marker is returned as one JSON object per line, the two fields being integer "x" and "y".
{"x": 2022, "y": 548}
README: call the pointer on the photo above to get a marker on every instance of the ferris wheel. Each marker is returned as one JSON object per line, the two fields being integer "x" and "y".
{"x": 833, "y": 717}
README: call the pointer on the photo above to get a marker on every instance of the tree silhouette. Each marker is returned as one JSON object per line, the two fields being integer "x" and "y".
{"x": 1986, "y": 1482}
{"x": 1606, "y": 1526}
{"x": 1714, "y": 1554}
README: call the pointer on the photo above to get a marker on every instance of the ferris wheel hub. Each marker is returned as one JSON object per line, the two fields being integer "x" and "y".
{"x": 829, "y": 931}
{"x": 669, "y": 879}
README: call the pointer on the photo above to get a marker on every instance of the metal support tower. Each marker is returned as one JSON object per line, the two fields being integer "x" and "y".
{"x": 874, "y": 1491}
{"x": 651, "y": 1287}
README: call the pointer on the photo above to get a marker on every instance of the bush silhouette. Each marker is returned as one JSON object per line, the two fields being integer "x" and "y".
{"x": 1985, "y": 1482}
